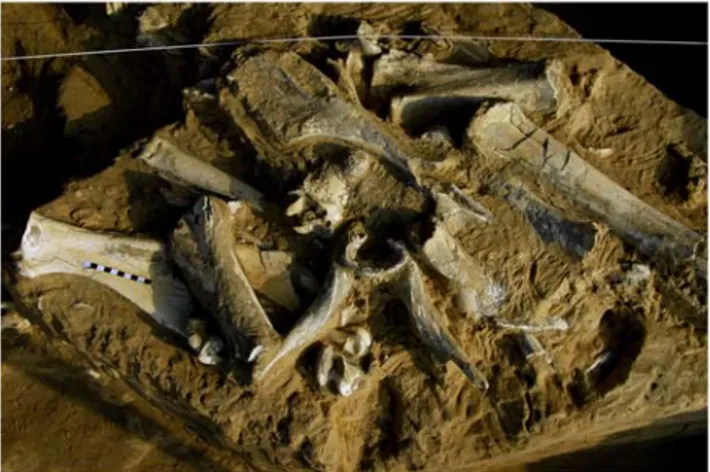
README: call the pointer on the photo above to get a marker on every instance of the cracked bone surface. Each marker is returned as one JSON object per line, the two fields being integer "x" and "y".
{"x": 434, "y": 89}
{"x": 504, "y": 132}
{"x": 122, "y": 263}
{"x": 357, "y": 187}
{"x": 298, "y": 106}
{"x": 182, "y": 168}
{"x": 203, "y": 246}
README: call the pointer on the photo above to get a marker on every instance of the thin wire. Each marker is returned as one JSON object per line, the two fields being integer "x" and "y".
{"x": 354, "y": 37}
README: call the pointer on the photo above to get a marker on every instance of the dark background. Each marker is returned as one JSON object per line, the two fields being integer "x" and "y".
{"x": 681, "y": 72}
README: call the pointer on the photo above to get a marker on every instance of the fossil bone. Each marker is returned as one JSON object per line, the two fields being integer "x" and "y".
{"x": 181, "y": 167}
{"x": 426, "y": 320}
{"x": 320, "y": 318}
{"x": 576, "y": 238}
{"x": 298, "y": 106}
{"x": 368, "y": 38}
{"x": 358, "y": 187}
{"x": 138, "y": 269}
{"x": 331, "y": 366}
{"x": 204, "y": 248}
{"x": 438, "y": 88}
{"x": 456, "y": 210}
{"x": 504, "y": 132}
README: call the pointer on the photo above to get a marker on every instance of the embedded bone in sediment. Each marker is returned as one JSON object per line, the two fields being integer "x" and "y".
{"x": 456, "y": 210}
{"x": 576, "y": 238}
{"x": 368, "y": 38}
{"x": 295, "y": 106}
{"x": 427, "y": 321}
{"x": 203, "y": 246}
{"x": 532, "y": 347}
{"x": 319, "y": 319}
{"x": 357, "y": 343}
{"x": 435, "y": 89}
{"x": 332, "y": 367}
{"x": 357, "y": 187}
{"x": 138, "y": 269}
{"x": 181, "y": 167}
{"x": 504, "y": 132}
{"x": 476, "y": 294}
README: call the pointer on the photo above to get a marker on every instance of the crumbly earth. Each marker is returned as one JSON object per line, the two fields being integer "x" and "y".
{"x": 410, "y": 414}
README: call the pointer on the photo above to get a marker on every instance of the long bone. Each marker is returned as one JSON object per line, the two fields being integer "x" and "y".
{"x": 138, "y": 269}
{"x": 504, "y": 132}
{"x": 435, "y": 89}
{"x": 179, "y": 166}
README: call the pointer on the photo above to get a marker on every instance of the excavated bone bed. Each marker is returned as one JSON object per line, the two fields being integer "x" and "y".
{"x": 210, "y": 261}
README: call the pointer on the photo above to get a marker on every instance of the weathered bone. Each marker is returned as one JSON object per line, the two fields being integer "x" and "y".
{"x": 297, "y": 106}
{"x": 50, "y": 246}
{"x": 331, "y": 366}
{"x": 426, "y": 320}
{"x": 320, "y": 318}
{"x": 504, "y": 132}
{"x": 368, "y": 38}
{"x": 532, "y": 347}
{"x": 355, "y": 188}
{"x": 576, "y": 238}
{"x": 358, "y": 343}
{"x": 181, "y": 167}
{"x": 203, "y": 246}
{"x": 456, "y": 210}
{"x": 477, "y": 295}
{"x": 437, "y": 88}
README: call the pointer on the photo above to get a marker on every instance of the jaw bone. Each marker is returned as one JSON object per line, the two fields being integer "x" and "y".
{"x": 182, "y": 168}
{"x": 204, "y": 248}
{"x": 297, "y": 106}
{"x": 138, "y": 269}
{"x": 504, "y": 132}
